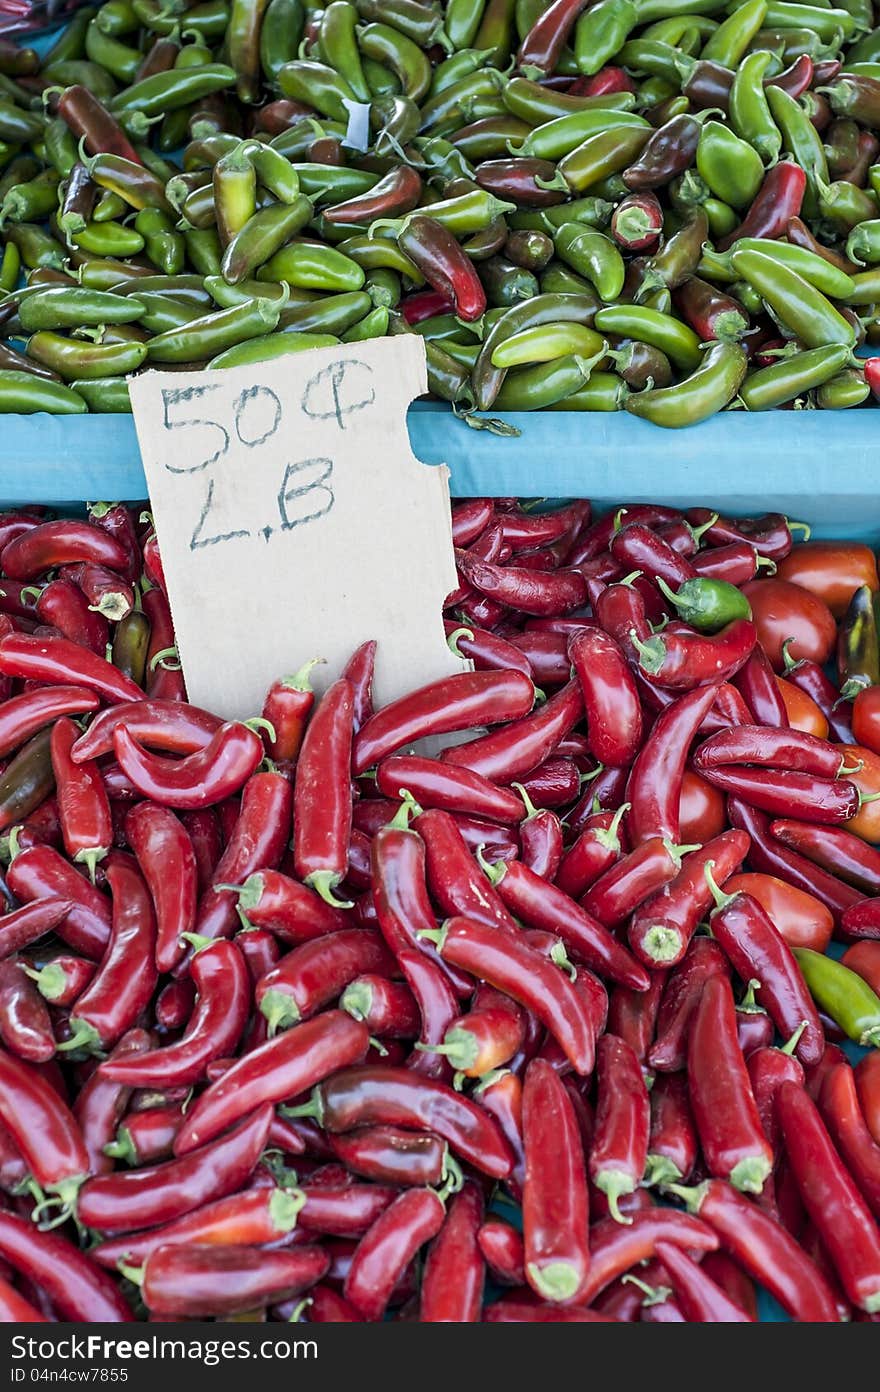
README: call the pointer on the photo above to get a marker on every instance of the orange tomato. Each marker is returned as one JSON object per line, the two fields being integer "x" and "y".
{"x": 802, "y": 920}
{"x": 803, "y": 713}
{"x": 703, "y": 811}
{"x": 868, "y": 1085}
{"x": 866, "y": 822}
{"x": 831, "y": 570}
{"x": 781, "y": 611}
{"x": 864, "y": 959}
{"x": 866, "y": 718}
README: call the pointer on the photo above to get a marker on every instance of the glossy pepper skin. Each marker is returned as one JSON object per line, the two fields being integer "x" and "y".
{"x": 167, "y": 861}
{"x": 452, "y": 1284}
{"x": 619, "y": 1149}
{"x": 555, "y": 1197}
{"x": 654, "y": 785}
{"x": 613, "y": 710}
{"x": 83, "y": 805}
{"x": 44, "y": 1129}
{"x": 661, "y": 928}
{"x": 182, "y": 1282}
{"x": 198, "y": 780}
{"x": 80, "y": 1291}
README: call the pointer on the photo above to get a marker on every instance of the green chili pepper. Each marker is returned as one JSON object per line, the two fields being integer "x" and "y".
{"x": 536, "y": 104}
{"x": 604, "y": 391}
{"x": 234, "y": 192}
{"x": 154, "y": 96}
{"x": 325, "y": 184}
{"x": 798, "y": 305}
{"x": 270, "y": 346}
{"x": 858, "y": 650}
{"x": 467, "y": 213}
{"x": 601, "y": 31}
{"x": 750, "y": 113}
{"x": 731, "y": 167}
{"x": 226, "y": 295}
{"x": 379, "y": 253}
{"x": 462, "y": 20}
{"x": 313, "y": 267}
{"x": 730, "y": 42}
{"x": 332, "y": 314}
{"x": 242, "y": 46}
{"x": 496, "y": 31}
{"x": 506, "y": 284}
{"x": 203, "y": 249}
{"x": 557, "y": 279}
{"x": 71, "y": 41}
{"x": 595, "y": 212}
{"x": 72, "y": 358}
{"x": 264, "y": 234}
{"x": 384, "y": 288}
{"x": 802, "y": 140}
{"x": 37, "y": 248}
{"x": 109, "y": 207}
{"x": 10, "y": 267}
{"x": 409, "y": 63}
{"x": 646, "y": 325}
{"x": 592, "y": 255}
{"x": 533, "y": 388}
{"x": 108, "y": 395}
{"x": 656, "y": 59}
{"x": 164, "y": 246}
{"x": 490, "y": 138}
{"x": 564, "y": 134}
{"x": 443, "y": 328}
{"x": 863, "y": 243}
{"x": 451, "y": 107}
{"x": 826, "y": 22}
{"x": 706, "y": 604}
{"x": 457, "y": 66}
{"x": 843, "y": 995}
{"x": 373, "y": 325}
{"x": 82, "y": 73}
{"x": 847, "y": 389}
{"x": 338, "y": 46}
{"x": 791, "y": 377}
{"x": 547, "y": 343}
{"x": 117, "y": 17}
{"x": 23, "y": 394}
{"x": 208, "y": 19}
{"x": 845, "y": 204}
{"x": 17, "y": 126}
{"x": 164, "y": 312}
{"x": 61, "y": 149}
{"x": 543, "y": 309}
{"x": 109, "y": 239}
{"x": 814, "y": 268}
{"x": 280, "y": 35}
{"x": 69, "y": 307}
{"x": 600, "y": 155}
{"x": 710, "y": 388}
{"x": 33, "y": 201}
{"x": 213, "y": 333}
{"x": 117, "y": 58}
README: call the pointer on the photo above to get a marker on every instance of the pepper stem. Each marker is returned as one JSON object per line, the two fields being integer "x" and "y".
{"x": 721, "y": 899}
{"x": 699, "y": 532}
{"x": 790, "y": 1046}
{"x": 494, "y": 873}
{"x": 691, "y": 1195}
{"x": 257, "y": 723}
{"x": 662, "y": 944}
{"x": 765, "y": 562}
{"x": 846, "y": 768}
{"x": 90, "y": 857}
{"x": 313, "y": 1110}
{"x": 560, "y": 958}
{"x": 799, "y": 527}
{"x": 789, "y": 662}
{"x": 666, "y": 591}
{"x": 280, "y": 1009}
{"x": 607, "y": 837}
{"x": 592, "y": 775}
{"x": 135, "y": 1274}
{"x": 748, "y": 1005}
{"x": 452, "y": 1177}
{"x": 676, "y": 853}
{"x": 122, "y": 1148}
{"x": 452, "y": 640}
{"x": 654, "y": 1295}
{"x": 167, "y": 658}
{"x": 866, "y": 797}
{"x": 197, "y": 941}
{"x": 557, "y": 1281}
{"x": 614, "y": 1184}
{"x": 660, "y": 1171}
{"x": 531, "y": 809}
{"x": 629, "y": 580}
{"x": 652, "y": 654}
{"x": 84, "y": 1036}
{"x": 324, "y": 882}
{"x": 749, "y": 1175}
{"x": 300, "y": 680}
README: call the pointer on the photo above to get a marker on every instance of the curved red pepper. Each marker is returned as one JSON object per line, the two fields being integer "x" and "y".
{"x": 383, "y": 1254}
{"x": 487, "y": 1037}
{"x": 44, "y": 1129}
{"x": 287, "y": 707}
{"x": 167, "y": 862}
{"x": 181, "y": 1282}
{"x": 145, "y": 1137}
{"x": 672, "y": 1143}
{"x": 278, "y": 1070}
{"x": 757, "y": 684}
{"x": 317, "y": 972}
{"x": 598, "y": 846}
{"x": 767, "y": 856}
{"x": 119, "y": 522}
{"x": 58, "y": 662}
{"x": 810, "y": 677}
{"x": 83, "y": 805}
{"x": 503, "y": 1252}
{"x": 438, "y": 1007}
{"x": 787, "y": 793}
{"x": 79, "y": 1290}
{"x": 611, "y": 700}
{"x": 41, "y": 872}
{"x": 619, "y": 1151}
{"x": 452, "y": 1278}
{"x": 843, "y": 1115}
{"x": 268, "y": 899}
{"x": 126, "y": 977}
{"x": 632, "y": 880}
{"x": 540, "y": 837}
{"x": 834, "y": 849}
{"x": 771, "y": 748}
{"x": 164, "y": 679}
{"x": 444, "y": 265}
{"x": 196, "y": 780}
{"x": 555, "y": 1196}
{"x": 106, "y": 591}
{"x": 322, "y": 799}
{"x": 757, "y": 950}
{"x": 660, "y": 930}
{"x": 433, "y": 784}
{"x": 616, "y": 1248}
{"x": 100, "y": 1104}
{"x": 637, "y": 547}
{"x": 684, "y": 986}
{"x": 389, "y": 1155}
{"x": 681, "y": 658}
{"x": 654, "y": 784}
{"x": 731, "y": 1136}
{"x": 700, "y": 1299}
{"x": 518, "y": 748}
{"x": 460, "y": 702}
{"x": 528, "y": 591}
{"x": 737, "y": 563}
{"x": 14, "y": 1309}
{"x": 358, "y": 672}
{"x": 342, "y": 1209}
{"x": 839, "y": 1212}
{"x": 487, "y": 651}
{"x": 65, "y": 542}
{"x": 172, "y": 726}
{"x": 455, "y": 880}
{"x": 22, "y": 716}
{"x": 555, "y": 783}
{"x": 778, "y": 199}
{"x": 257, "y": 843}
{"x": 598, "y": 537}
{"x": 63, "y": 606}
{"x": 632, "y": 1015}
{"x": 25, "y": 1026}
{"x": 157, "y": 1194}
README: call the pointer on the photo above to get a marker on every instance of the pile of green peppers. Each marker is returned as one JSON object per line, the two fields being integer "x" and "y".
{"x": 668, "y": 207}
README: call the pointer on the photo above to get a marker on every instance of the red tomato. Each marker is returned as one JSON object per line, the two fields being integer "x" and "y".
{"x": 798, "y": 917}
{"x": 832, "y": 570}
{"x": 864, "y": 959}
{"x": 781, "y": 611}
{"x": 866, "y": 822}
{"x": 868, "y": 1084}
{"x": 866, "y": 718}
{"x": 703, "y": 811}
{"x": 803, "y": 713}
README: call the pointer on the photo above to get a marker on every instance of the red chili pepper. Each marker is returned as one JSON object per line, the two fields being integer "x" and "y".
{"x": 501, "y": 1096}
{"x": 778, "y": 199}
{"x": 77, "y": 1287}
{"x": 555, "y": 783}
{"x": 157, "y": 1194}
{"x": 438, "y": 1008}
{"x": 119, "y": 521}
{"x": 768, "y": 857}
{"x": 23, "y": 716}
{"x": 317, "y": 972}
{"x": 596, "y": 849}
{"x": 188, "y": 1282}
{"x": 772, "y": 748}
{"x": 503, "y": 1251}
{"x": 343, "y": 1209}
{"x": 53, "y": 544}
{"x": 253, "y": 1218}
{"x": 786, "y": 793}
{"x": 57, "y": 662}
{"x": 455, "y": 703}
{"x": 126, "y": 977}
{"x": 41, "y": 873}
{"x": 452, "y": 1279}
{"x": 100, "y": 1104}
{"x": 834, "y": 849}
{"x": 18, "y": 600}
{"x": 684, "y": 987}
{"x": 287, "y": 708}
{"x": 620, "y": 1145}
{"x": 733, "y": 1142}
{"x": 737, "y": 563}
{"x": 196, "y": 780}
{"x": 63, "y": 606}
{"x": 489, "y": 546}
{"x": 25, "y": 1026}
{"x": 486, "y": 1038}
{"x": 45, "y": 1131}
{"x": 682, "y": 658}
{"x": 470, "y": 516}
{"x": 754, "y": 1028}
{"x": 843, "y": 1115}
{"x": 390, "y": 1155}
{"x": 83, "y": 806}
{"x": 167, "y": 862}
{"x": 839, "y": 1212}
{"x": 700, "y": 1299}
{"x": 268, "y": 899}
{"x": 425, "y": 304}
{"x": 616, "y": 1248}
{"x": 326, "y": 1306}
{"x": 637, "y": 547}
{"x": 611, "y": 700}
{"x": 164, "y": 677}
{"x": 809, "y": 677}
{"x": 14, "y": 1309}
{"x": 444, "y": 265}
{"x": 660, "y": 930}
{"x": 257, "y": 843}
{"x": 146, "y": 1137}
{"x": 655, "y": 780}
{"x": 672, "y": 1143}
{"x": 598, "y": 537}
{"x": 756, "y": 949}
{"x": 106, "y": 591}
{"x": 605, "y": 81}
{"x": 522, "y": 745}
{"x": 455, "y": 880}
{"x": 542, "y": 905}
{"x": 526, "y": 590}
{"x": 171, "y": 726}
{"x": 544, "y": 654}
{"x": 39, "y": 828}
{"x": 280, "y": 1069}
{"x": 383, "y": 1254}
{"x": 542, "y": 45}
{"x": 632, "y": 1015}
{"x": 487, "y": 651}
{"x": 540, "y": 838}
{"x": 768, "y": 1070}
{"x": 433, "y": 784}
{"x": 632, "y": 880}
{"x": 555, "y": 1197}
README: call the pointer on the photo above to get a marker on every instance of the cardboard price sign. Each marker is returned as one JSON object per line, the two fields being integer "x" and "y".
{"x": 294, "y": 521}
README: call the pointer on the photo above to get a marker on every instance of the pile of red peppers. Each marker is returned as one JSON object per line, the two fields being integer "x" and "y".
{"x": 299, "y": 1023}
